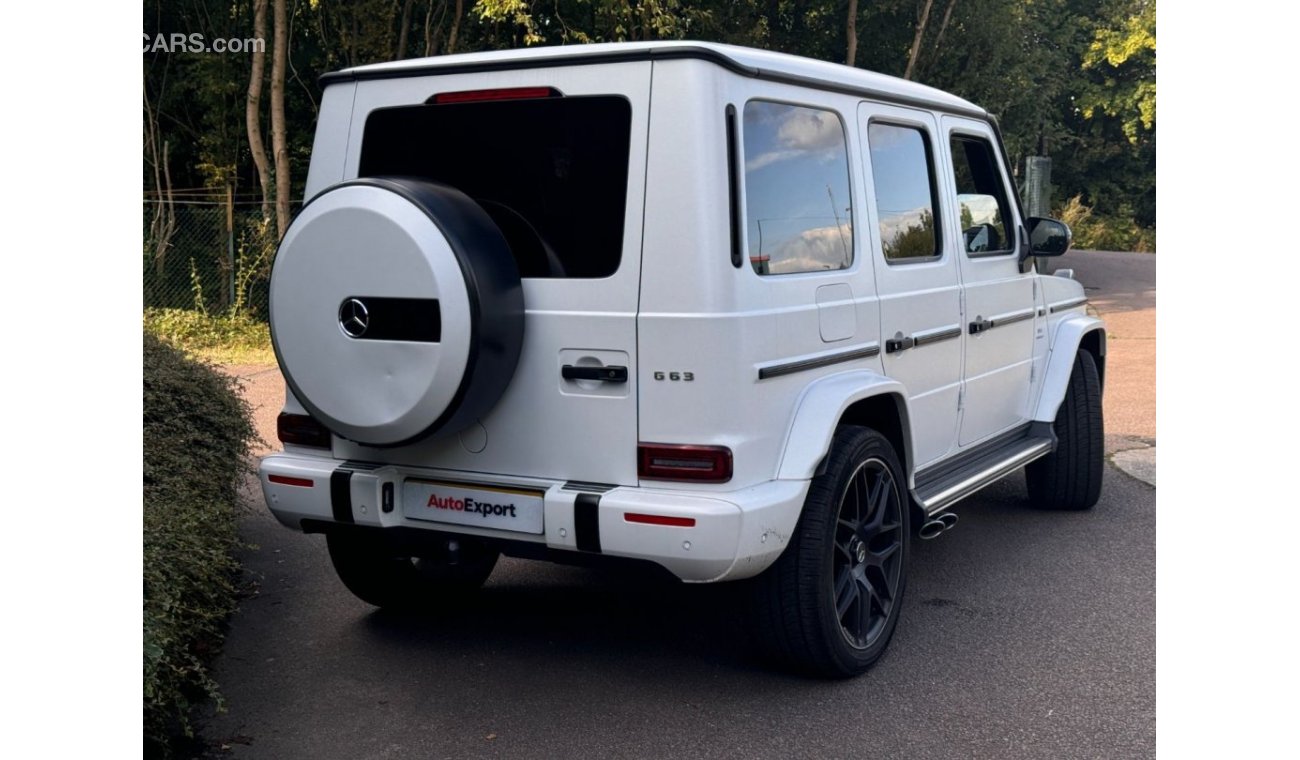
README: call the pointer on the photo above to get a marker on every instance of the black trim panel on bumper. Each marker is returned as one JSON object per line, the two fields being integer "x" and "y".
{"x": 341, "y": 495}
{"x": 341, "y": 489}
{"x": 586, "y": 522}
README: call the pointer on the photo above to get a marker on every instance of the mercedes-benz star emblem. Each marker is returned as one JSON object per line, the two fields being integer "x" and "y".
{"x": 354, "y": 317}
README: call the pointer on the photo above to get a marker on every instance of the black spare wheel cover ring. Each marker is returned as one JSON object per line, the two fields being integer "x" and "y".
{"x": 494, "y": 295}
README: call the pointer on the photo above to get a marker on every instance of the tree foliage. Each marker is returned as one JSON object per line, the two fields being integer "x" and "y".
{"x": 1125, "y": 57}
{"x": 1070, "y": 79}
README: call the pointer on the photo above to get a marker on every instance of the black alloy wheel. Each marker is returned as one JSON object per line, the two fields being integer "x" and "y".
{"x": 868, "y": 562}
{"x": 830, "y": 603}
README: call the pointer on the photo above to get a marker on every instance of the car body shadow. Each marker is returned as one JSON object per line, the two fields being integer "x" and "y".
{"x": 578, "y": 616}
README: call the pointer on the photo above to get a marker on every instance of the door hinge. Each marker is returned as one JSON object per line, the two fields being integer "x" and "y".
{"x": 961, "y": 399}
{"x": 1033, "y": 370}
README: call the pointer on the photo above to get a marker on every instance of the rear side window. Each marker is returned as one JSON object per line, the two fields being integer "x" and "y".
{"x": 903, "y": 172}
{"x": 981, "y": 197}
{"x": 552, "y": 172}
{"x": 798, "y": 212}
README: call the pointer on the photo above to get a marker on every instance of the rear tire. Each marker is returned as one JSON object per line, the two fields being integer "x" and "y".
{"x": 378, "y": 574}
{"x": 830, "y": 603}
{"x": 1070, "y": 477}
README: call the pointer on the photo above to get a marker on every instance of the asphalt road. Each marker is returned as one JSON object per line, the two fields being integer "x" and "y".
{"x": 1121, "y": 287}
{"x": 1024, "y": 634}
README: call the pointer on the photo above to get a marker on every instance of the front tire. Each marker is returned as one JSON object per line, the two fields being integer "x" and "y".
{"x": 830, "y": 603}
{"x": 378, "y": 574}
{"x": 1070, "y": 477}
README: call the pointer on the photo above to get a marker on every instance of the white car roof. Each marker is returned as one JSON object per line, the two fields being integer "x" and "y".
{"x": 763, "y": 64}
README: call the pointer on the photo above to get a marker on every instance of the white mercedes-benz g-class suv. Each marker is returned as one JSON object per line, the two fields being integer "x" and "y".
{"x": 739, "y": 314}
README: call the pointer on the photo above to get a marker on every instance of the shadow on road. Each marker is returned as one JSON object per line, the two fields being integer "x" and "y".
{"x": 577, "y": 617}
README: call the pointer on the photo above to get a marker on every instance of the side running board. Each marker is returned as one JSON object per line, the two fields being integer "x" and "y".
{"x": 940, "y": 486}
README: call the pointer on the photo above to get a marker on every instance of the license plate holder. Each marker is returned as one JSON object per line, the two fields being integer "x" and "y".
{"x": 519, "y": 510}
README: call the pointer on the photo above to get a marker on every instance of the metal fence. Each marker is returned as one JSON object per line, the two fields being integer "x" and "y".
{"x": 207, "y": 256}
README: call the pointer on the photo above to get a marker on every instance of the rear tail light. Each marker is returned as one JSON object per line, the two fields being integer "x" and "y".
{"x": 286, "y": 480}
{"x": 503, "y": 93}
{"x": 301, "y": 430}
{"x": 676, "y": 461}
{"x": 676, "y": 522}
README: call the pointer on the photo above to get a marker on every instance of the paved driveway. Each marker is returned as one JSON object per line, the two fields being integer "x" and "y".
{"x": 1024, "y": 634}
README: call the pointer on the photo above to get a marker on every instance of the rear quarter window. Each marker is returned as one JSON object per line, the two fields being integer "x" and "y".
{"x": 798, "y": 210}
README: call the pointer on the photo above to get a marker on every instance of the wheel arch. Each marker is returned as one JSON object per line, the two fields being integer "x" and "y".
{"x": 858, "y": 397}
{"x": 1075, "y": 333}
{"x": 1094, "y": 342}
{"x": 886, "y": 413}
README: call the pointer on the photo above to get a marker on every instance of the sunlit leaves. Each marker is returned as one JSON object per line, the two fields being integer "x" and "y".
{"x": 1124, "y": 55}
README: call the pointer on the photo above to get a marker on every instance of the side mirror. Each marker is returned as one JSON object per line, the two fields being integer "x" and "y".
{"x": 1048, "y": 237}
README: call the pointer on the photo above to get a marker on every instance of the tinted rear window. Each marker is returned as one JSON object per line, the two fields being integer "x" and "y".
{"x": 552, "y": 172}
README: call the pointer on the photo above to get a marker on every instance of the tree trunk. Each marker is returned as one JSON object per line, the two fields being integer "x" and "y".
{"x": 433, "y": 36}
{"x": 455, "y": 27}
{"x": 428, "y": 30}
{"x": 916, "y": 41}
{"x": 279, "y": 141}
{"x": 163, "y": 224}
{"x": 352, "y": 40}
{"x": 164, "y": 220}
{"x": 851, "y": 27}
{"x": 405, "y": 29}
{"x": 943, "y": 26}
{"x": 252, "y": 110}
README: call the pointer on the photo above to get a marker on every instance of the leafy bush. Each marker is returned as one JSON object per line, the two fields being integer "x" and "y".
{"x": 197, "y": 431}
{"x": 1104, "y": 233}
{"x": 220, "y": 338}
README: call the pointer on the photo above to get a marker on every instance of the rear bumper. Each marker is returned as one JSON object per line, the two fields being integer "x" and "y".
{"x": 732, "y": 535}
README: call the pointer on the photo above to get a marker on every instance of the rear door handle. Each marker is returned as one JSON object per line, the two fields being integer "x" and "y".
{"x": 979, "y": 326}
{"x": 610, "y": 374}
{"x": 899, "y": 343}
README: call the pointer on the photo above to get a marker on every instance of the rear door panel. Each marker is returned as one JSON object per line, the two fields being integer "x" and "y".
{"x": 919, "y": 299}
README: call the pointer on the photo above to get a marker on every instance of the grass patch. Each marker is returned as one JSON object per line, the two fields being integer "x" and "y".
{"x": 221, "y": 339}
{"x": 197, "y": 432}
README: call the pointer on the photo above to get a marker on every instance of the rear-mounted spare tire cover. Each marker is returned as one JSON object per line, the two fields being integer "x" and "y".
{"x": 396, "y": 310}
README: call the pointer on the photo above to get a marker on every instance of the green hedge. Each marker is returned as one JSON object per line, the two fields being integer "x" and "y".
{"x": 197, "y": 431}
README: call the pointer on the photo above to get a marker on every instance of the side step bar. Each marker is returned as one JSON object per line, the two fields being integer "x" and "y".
{"x": 942, "y": 485}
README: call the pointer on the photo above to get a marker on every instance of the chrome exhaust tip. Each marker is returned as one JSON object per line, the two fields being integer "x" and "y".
{"x": 936, "y": 525}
